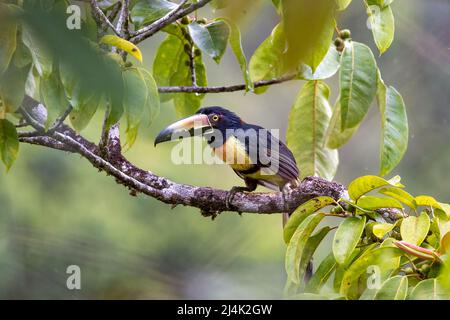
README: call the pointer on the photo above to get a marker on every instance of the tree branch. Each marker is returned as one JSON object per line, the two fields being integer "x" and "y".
{"x": 170, "y": 17}
{"x": 210, "y": 201}
{"x": 220, "y": 89}
{"x": 101, "y": 18}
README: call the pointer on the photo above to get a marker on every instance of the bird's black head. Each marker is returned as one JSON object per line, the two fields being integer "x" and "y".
{"x": 204, "y": 121}
{"x": 221, "y": 118}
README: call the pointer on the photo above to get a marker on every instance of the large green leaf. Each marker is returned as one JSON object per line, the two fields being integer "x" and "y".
{"x": 429, "y": 289}
{"x": 211, "y": 38}
{"x": 303, "y": 211}
{"x": 322, "y": 274}
{"x": 12, "y": 86}
{"x": 152, "y": 105}
{"x": 42, "y": 59}
{"x": 400, "y": 195}
{"x": 373, "y": 203}
{"x": 166, "y": 62}
{"x": 309, "y": 27}
{"x": 267, "y": 61}
{"x": 308, "y": 122}
{"x": 297, "y": 245}
{"x": 383, "y": 257}
{"x": 147, "y": 11}
{"x": 134, "y": 102}
{"x": 326, "y": 69}
{"x": 53, "y": 95}
{"x": 395, "y": 288}
{"x": 394, "y": 128}
{"x": 415, "y": 229}
{"x": 8, "y": 37}
{"x": 358, "y": 83}
{"x": 187, "y": 103}
{"x": 364, "y": 184}
{"x": 347, "y": 237}
{"x": 335, "y": 137}
{"x": 382, "y": 23}
{"x": 236, "y": 46}
{"x": 310, "y": 248}
{"x": 9, "y": 143}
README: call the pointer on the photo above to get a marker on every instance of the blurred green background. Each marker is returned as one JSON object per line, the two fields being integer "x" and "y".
{"x": 56, "y": 210}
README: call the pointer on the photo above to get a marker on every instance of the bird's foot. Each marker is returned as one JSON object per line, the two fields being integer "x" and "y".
{"x": 231, "y": 194}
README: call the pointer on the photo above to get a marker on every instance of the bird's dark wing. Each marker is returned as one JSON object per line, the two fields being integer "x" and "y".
{"x": 256, "y": 148}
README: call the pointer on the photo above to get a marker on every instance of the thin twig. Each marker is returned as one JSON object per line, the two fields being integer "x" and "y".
{"x": 122, "y": 22}
{"x": 101, "y": 18}
{"x": 170, "y": 17}
{"x": 220, "y": 89}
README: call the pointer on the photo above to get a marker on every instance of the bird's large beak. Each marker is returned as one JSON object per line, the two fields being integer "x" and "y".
{"x": 188, "y": 127}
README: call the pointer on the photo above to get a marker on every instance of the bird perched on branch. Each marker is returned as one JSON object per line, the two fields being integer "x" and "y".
{"x": 253, "y": 152}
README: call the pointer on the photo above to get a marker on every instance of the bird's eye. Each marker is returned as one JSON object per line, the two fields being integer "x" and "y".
{"x": 215, "y": 118}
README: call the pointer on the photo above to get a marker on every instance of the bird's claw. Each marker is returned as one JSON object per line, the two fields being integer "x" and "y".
{"x": 231, "y": 194}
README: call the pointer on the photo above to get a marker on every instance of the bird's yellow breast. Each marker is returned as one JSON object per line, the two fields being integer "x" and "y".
{"x": 233, "y": 153}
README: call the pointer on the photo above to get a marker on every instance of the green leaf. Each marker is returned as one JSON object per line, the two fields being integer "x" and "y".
{"x": 303, "y": 211}
{"x": 211, "y": 38}
{"x": 134, "y": 102}
{"x": 373, "y": 203}
{"x": 395, "y": 288}
{"x": 309, "y": 29}
{"x": 236, "y": 46}
{"x": 267, "y": 61}
{"x": 152, "y": 105}
{"x": 358, "y": 83}
{"x": 12, "y": 86}
{"x": 394, "y": 128}
{"x": 42, "y": 59}
{"x": 342, "y": 4}
{"x": 322, "y": 274}
{"x": 365, "y": 184}
{"x": 326, "y": 69}
{"x": 85, "y": 110}
{"x": 297, "y": 245}
{"x": 308, "y": 121}
{"x": 383, "y": 257}
{"x": 53, "y": 95}
{"x": 380, "y": 229}
{"x": 400, "y": 195}
{"x": 147, "y": 11}
{"x": 335, "y": 138}
{"x": 310, "y": 248}
{"x": 415, "y": 229}
{"x": 8, "y": 37}
{"x": 9, "y": 143}
{"x": 429, "y": 289}
{"x": 166, "y": 62}
{"x": 382, "y": 23}
{"x": 347, "y": 237}
{"x": 187, "y": 103}
{"x": 122, "y": 44}
{"x": 278, "y": 5}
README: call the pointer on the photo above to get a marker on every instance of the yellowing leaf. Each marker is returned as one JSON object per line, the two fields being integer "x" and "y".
{"x": 122, "y": 44}
{"x": 400, "y": 195}
{"x": 395, "y": 288}
{"x": 380, "y": 229}
{"x": 364, "y": 184}
{"x": 415, "y": 229}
